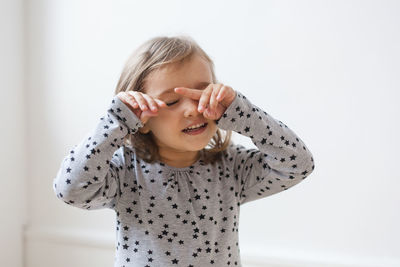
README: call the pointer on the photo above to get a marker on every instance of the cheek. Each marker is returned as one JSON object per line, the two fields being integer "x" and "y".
{"x": 162, "y": 122}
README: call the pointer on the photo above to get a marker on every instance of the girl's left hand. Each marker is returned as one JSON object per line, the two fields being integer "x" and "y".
{"x": 213, "y": 101}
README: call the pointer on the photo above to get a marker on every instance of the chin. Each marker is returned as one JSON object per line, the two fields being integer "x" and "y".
{"x": 195, "y": 147}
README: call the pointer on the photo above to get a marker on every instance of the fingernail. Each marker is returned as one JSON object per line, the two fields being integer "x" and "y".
{"x": 200, "y": 108}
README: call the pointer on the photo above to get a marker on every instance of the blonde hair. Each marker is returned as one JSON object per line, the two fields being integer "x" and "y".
{"x": 154, "y": 54}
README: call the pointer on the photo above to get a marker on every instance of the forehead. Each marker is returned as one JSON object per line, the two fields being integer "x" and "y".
{"x": 195, "y": 72}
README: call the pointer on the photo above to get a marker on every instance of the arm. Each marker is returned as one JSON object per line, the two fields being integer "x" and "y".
{"x": 90, "y": 175}
{"x": 281, "y": 161}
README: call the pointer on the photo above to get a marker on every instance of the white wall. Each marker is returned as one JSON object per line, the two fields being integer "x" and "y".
{"x": 12, "y": 133}
{"x": 327, "y": 69}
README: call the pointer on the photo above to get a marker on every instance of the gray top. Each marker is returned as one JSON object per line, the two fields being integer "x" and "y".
{"x": 168, "y": 216}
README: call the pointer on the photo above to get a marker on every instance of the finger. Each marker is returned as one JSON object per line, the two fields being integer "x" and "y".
{"x": 213, "y": 100}
{"x": 160, "y": 103}
{"x": 221, "y": 94}
{"x": 151, "y": 103}
{"x": 205, "y": 98}
{"x": 189, "y": 92}
{"x": 140, "y": 99}
{"x": 130, "y": 99}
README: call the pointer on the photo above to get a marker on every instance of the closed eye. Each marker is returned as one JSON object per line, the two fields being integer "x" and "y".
{"x": 170, "y": 104}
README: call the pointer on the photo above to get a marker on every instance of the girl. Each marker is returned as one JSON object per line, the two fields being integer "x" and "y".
{"x": 177, "y": 201}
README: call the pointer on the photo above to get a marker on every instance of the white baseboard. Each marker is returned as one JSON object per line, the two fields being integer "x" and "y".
{"x": 83, "y": 238}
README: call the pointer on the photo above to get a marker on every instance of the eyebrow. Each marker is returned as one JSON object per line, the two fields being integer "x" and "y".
{"x": 171, "y": 90}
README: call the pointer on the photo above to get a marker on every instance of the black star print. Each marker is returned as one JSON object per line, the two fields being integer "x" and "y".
{"x": 159, "y": 207}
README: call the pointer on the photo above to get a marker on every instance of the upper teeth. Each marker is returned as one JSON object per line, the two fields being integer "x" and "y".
{"x": 195, "y": 126}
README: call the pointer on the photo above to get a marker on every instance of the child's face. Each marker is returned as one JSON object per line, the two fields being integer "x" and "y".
{"x": 171, "y": 120}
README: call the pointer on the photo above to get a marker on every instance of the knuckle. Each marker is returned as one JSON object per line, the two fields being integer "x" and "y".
{"x": 149, "y": 100}
{"x": 132, "y": 94}
{"x": 130, "y": 97}
{"x": 140, "y": 98}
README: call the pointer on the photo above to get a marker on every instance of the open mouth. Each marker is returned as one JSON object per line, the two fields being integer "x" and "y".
{"x": 195, "y": 129}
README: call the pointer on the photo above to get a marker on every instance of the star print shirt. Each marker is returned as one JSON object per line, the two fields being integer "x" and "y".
{"x": 168, "y": 216}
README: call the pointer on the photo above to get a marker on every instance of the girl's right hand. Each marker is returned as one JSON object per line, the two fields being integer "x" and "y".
{"x": 141, "y": 104}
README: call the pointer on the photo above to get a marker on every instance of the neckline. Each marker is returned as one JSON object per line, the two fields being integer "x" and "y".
{"x": 182, "y": 169}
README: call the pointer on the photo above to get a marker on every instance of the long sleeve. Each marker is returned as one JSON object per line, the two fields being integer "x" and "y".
{"x": 90, "y": 175}
{"x": 281, "y": 161}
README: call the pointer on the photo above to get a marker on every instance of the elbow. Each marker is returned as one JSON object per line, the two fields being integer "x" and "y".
{"x": 305, "y": 167}
{"x": 61, "y": 193}
{"x": 64, "y": 193}
{"x": 69, "y": 197}
{"x": 308, "y": 166}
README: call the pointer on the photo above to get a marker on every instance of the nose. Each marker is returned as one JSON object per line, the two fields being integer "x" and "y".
{"x": 190, "y": 107}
